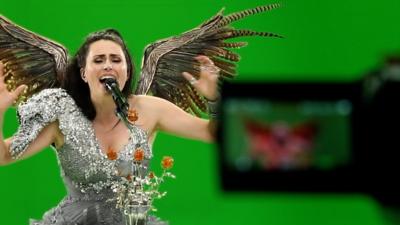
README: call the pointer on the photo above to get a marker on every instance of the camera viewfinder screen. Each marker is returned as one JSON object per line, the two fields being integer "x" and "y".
{"x": 266, "y": 135}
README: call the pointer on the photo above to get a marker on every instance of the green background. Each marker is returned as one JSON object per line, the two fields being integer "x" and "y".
{"x": 325, "y": 40}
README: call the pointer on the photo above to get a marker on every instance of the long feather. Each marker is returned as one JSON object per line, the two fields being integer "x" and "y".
{"x": 165, "y": 60}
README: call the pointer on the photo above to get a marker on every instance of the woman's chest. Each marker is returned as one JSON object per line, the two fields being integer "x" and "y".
{"x": 112, "y": 139}
{"x": 82, "y": 158}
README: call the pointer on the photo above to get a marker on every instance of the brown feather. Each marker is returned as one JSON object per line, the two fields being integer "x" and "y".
{"x": 30, "y": 59}
{"x": 242, "y": 14}
{"x": 165, "y": 60}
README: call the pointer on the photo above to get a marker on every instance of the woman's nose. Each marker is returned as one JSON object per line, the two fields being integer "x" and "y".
{"x": 107, "y": 66}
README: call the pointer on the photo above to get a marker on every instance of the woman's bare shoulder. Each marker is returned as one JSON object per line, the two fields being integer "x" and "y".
{"x": 146, "y": 101}
{"x": 149, "y": 109}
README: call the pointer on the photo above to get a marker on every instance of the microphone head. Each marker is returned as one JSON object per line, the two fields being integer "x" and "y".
{"x": 109, "y": 83}
{"x": 108, "y": 80}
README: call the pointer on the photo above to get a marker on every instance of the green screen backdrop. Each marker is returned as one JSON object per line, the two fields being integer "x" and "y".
{"x": 324, "y": 41}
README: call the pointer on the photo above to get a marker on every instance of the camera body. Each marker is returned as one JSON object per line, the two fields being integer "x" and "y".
{"x": 309, "y": 137}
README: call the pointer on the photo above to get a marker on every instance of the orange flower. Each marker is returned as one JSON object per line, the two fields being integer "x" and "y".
{"x": 112, "y": 154}
{"x": 151, "y": 175}
{"x": 129, "y": 177}
{"x": 138, "y": 155}
{"x": 167, "y": 162}
{"x": 132, "y": 115}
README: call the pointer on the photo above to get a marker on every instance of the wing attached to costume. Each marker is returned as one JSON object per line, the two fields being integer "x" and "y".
{"x": 30, "y": 59}
{"x": 165, "y": 60}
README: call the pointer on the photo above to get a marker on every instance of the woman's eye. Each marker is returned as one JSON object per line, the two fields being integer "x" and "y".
{"x": 98, "y": 61}
{"x": 116, "y": 60}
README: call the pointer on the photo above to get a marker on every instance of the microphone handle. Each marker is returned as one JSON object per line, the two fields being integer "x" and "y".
{"x": 119, "y": 99}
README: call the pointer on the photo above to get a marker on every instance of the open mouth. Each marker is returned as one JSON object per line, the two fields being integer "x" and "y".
{"x": 107, "y": 77}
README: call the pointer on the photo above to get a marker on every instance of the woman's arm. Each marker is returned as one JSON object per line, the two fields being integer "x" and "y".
{"x": 45, "y": 138}
{"x": 4, "y": 145}
{"x": 172, "y": 119}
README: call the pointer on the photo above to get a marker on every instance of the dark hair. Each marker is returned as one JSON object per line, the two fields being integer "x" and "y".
{"x": 73, "y": 83}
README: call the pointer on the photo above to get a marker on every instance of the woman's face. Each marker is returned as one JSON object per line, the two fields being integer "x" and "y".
{"x": 104, "y": 58}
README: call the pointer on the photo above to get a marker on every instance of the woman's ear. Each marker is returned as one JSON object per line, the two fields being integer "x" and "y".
{"x": 83, "y": 76}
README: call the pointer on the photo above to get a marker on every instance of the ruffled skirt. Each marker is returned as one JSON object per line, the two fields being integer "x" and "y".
{"x": 87, "y": 212}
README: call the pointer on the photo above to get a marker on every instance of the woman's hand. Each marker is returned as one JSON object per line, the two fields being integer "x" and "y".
{"x": 207, "y": 84}
{"x": 7, "y": 98}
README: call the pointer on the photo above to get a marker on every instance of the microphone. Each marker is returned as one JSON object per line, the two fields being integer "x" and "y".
{"x": 112, "y": 87}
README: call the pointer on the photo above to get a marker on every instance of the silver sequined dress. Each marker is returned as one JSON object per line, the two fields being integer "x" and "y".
{"x": 87, "y": 172}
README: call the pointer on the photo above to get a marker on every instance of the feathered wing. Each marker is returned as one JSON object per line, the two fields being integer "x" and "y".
{"x": 165, "y": 60}
{"x": 30, "y": 59}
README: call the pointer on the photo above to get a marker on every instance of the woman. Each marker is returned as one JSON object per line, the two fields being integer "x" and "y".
{"x": 79, "y": 121}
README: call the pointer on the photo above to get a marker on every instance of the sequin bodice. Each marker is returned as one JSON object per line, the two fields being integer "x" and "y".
{"x": 89, "y": 175}
{"x": 85, "y": 168}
